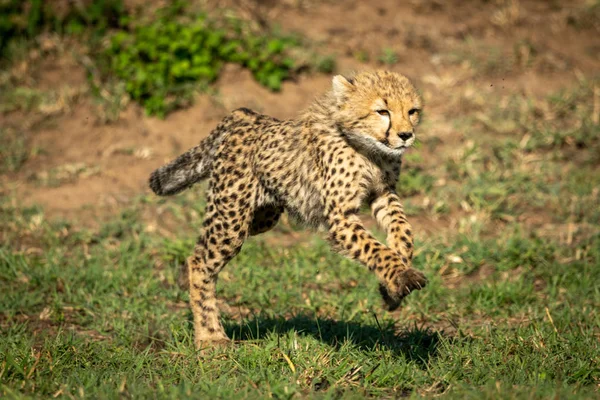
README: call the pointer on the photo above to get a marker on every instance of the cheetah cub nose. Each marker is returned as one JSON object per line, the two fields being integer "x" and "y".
{"x": 405, "y": 135}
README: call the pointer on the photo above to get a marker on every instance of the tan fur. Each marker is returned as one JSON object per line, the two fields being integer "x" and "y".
{"x": 321, "y": 167}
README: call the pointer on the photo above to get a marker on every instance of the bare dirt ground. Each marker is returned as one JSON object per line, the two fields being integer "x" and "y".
{"x": 110, "y": 162}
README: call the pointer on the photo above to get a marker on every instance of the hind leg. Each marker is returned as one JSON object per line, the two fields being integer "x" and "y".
{"x": 265, "y": 218}
{"x": 226, "y": 226}
{"x": 203, "y": 302}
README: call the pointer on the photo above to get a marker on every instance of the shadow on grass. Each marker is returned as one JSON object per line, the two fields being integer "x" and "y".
{"x": 417, "y": 344}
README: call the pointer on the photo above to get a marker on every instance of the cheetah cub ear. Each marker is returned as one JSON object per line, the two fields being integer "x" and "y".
{"x": 341, "y": 87}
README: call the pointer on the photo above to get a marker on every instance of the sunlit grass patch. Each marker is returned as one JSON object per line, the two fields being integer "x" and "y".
{"x": 567, "y": 122}
{"x": 482, "y": 59}
{"x": 98, "y": 312}
{"x": 521, "y": 159}
{"x": 47, "y": 103}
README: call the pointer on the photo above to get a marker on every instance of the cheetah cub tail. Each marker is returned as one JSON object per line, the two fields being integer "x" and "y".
{"x": 181, "y": 173}
{"x": 195, "y": 164}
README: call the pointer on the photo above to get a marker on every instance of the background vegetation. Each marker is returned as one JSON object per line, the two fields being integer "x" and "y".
{"x": 161, "y": 57}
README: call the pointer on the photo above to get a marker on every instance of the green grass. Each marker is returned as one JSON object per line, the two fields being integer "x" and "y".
{"x": 388, "y": 57}
{"x": 562, "y": 123}
{"x": 26, "y": 19}
{"x": 585, "y": 16}
{"x": 523, "y": 157}
{"x": 97, "y": 313}
{"x": 483, "y": 59}
{"x": 13, "y": 152}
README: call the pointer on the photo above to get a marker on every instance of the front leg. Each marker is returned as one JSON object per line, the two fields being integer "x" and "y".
{"x": 389, "y": 213}
{"x": 350, "y": 238}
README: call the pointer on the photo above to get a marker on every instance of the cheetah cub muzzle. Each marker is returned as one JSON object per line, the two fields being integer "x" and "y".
{"x": 343, "y": 151}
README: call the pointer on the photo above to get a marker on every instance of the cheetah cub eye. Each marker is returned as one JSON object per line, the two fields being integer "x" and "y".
{"x": 414, "y": 114}
{"x": 383, "y": 113}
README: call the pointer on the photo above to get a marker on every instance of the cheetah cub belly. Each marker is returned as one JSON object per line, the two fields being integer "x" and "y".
{"x": 344, "y": 150}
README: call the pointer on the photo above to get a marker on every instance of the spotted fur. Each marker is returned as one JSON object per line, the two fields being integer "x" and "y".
{"x": 345, "y": 150}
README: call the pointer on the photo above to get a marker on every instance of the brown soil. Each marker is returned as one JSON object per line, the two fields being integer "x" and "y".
{"x": 120, "y": 155}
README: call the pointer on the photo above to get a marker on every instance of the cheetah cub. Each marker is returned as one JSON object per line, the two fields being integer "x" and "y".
{"x": 344, "y": 150}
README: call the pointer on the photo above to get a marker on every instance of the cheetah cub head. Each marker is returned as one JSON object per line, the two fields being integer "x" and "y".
{"x": 378, "y": 111}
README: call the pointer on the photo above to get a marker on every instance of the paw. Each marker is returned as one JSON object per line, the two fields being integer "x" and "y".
{"x": 401, "y": 286}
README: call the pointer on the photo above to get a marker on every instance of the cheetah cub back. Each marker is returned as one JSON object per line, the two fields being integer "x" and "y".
{"x": 343, "y": 151}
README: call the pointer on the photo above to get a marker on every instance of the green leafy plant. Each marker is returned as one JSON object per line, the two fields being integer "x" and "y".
{"x": 161, "y": 61}
{"x": 100, "y": 15}
{"x": 164, "y": 60}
